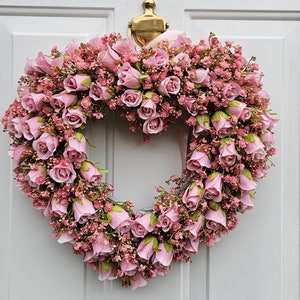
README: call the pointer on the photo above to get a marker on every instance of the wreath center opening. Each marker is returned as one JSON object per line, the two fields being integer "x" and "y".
{"x": 136, "y": 168}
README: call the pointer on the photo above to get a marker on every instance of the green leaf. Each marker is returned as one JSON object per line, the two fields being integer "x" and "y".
{"x": 213, "y": 175}
{"x": 44, "y": 169}
{"x": 138, "y": 66}
{"x": 192, "y": 185}
{"x": 149, "y": 94}
{"x": 143, "y": 77}
{"x": 84, "y": 166}
{"x": 106, "y": 266}
{"x": 155, "y": 244}
{"x": 153, "y": 219}
{"x": 86, "y": 82}
{"x": 206, "y": 120}
{"x": 200, "y": 191}
{"x": 41, "y": 120}
{"x": 248, "y": 174}
{"x": 227, "y": 140}
{"x": 111, "y": 90}
{"x": 216, "y": 116}
{"x": 108, "y": 218}
{"x": 167, "y": 246}
{"x": 250, "y": 137}
{"x": 234, "y": 103}
{"x": 102, "y": 170}
{"x": 79, "y": 136}
{"x": 224, "y": 115}
{"x": 148, "y": 239}
{"x": 213, "y": 205}
{"x": 117, "y": 208}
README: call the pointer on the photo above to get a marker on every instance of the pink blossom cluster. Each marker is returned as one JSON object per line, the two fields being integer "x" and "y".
{"x": 209, "y": 86}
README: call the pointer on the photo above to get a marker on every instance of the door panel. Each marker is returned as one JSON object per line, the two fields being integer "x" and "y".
{"x": 260, "y": 259}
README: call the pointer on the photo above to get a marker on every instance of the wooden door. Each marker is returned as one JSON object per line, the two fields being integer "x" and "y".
{"x": 260, "y": 259}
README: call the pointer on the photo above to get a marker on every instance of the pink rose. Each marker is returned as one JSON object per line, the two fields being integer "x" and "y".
{"x": 262, "y": 94}
{"x": 200, "y": 76}
{"x": 43, "y": 64}
{"x": 146, "y": 247}
{"x": 128, "y": 267}
{"x": 83, "y": 210}
{"x": 168, "y": 219}
{"x": 138, "y": 280}
{"x": 198, "y": 159}
{"x": 158, "y": 60}
{"x": 246, "y": 202}
{"x": 106, "y": 271}
{"x": 90, "y": 172}
{"x": 132, "y": 98}
{"x": 153, "y": 125}
{"x": 192, "y": 196}
{"x": 101, "y": 245}
{"x": 71, "y": 47}
{"x": 147, "y": 109}
{"x": 268, "y": 122}
{"x": 267, "y": 138}
{"x": 36, "y": 176}
{"x": 62, "y": 100}
{"x": 182, "y": 60}
{"x": 188, "y": 104}
{"x": 58, "y": 209}
{"x": 32, "y": 127}
{"x": 228, "y": 154}
{"x": 76, "y": 148}
{"x": 97, "y": 43}
{"x": 18, "y": 153}
{"x": 246, "y": 181}
{"x": 119, "y": 219}
{"x": 181, "y": 41}
{"x": 215, "y": 218}
{"x": 253, "y": 80}
{"x": 220, "y": 121}
{"x": 74, "y": 117}
{"x": 231, "y": 90}
{"x": 63, "y": 172}
{"x": 129, "y": 76}
{"x": 78, "y": 82}
{"x": 99, "y": 92}
{"x": 32, "y": 102}
{"x": 194, "y": 227}
{"x": 124, "y": 46}
{"x": 141, "y": 225}
{"x": 14, "y": 126}
{"x": 213, "y": 187}
{"x": 202, "y": 125}
{"x": 169, "y": 85}
{"x": 164, "y": 255}
{"x": 46, "y": 64}
{"x": 191, "y": 246}
{"x": 239, "y": 110}
{"x": 109, "y": 59}
{"x": 45, "y": 145}
{"x": 65, "y": 238}
{"x": 255, "y": 148}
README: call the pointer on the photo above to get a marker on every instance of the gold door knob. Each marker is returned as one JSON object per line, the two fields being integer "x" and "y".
{"x": 147, "y": 26}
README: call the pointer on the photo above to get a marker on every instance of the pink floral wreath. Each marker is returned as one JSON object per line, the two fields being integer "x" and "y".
{"x": 209, "y": 85}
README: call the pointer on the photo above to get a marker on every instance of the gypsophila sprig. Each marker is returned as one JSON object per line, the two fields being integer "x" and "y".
{"x": 209, "y": 86}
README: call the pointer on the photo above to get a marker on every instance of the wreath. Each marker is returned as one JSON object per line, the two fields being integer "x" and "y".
{"x": 209, "y": 86}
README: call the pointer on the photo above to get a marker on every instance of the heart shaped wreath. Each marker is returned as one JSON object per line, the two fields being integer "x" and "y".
{"x": 209, "y": 85}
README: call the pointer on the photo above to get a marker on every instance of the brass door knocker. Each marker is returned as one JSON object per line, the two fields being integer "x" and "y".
{"x": 147, "y": 26}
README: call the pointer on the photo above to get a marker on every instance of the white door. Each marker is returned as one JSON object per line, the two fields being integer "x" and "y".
{"x": 260, "y": 259}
